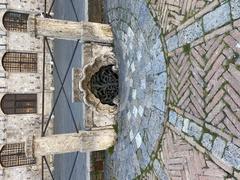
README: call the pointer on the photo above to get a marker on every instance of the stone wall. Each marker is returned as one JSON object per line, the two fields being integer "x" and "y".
{"x": 16, "y": 128}
{"x": 27, "y": 6}
{"x": 93, "y": 118}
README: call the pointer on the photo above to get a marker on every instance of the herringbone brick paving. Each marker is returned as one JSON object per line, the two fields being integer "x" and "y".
{"x": 183, "y": 162}
{"x": 172, "y": 13}
{"x": 203, "y": 91}
{"x": 206, "y": 80}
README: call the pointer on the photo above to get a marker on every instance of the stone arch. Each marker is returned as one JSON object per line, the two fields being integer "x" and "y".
{"x": 15, "y": 21}
{"x": 12, "y": 155}
{"x": 1, "y": 57}
{"x": 85, "y": 84}
{"x": 19, "y": 104}
{"x": 19, "y": 62}
{"x": 2, "y": 12}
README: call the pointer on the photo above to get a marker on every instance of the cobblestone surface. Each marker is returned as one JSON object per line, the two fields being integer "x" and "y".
{"x": 143, "y": 79}
{"x": 200, "y": 72}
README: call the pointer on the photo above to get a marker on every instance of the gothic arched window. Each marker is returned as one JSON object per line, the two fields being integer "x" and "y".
{"x": 20, "y": 62}
{"x": 14, "y": 21}
{"x": 19, "y": 103}
{"x": 14, "y": 155}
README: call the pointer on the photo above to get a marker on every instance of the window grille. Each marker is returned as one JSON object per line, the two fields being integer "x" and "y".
{"x": 14, "y": 155}
{"x": 14, "y": 21}
{"x": 19, "y": 104}
{"x": 20, "y": 62}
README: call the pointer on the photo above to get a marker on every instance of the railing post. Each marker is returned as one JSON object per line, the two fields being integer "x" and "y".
{"x": 84, "y": 141}
{"x": 62, "y": 29}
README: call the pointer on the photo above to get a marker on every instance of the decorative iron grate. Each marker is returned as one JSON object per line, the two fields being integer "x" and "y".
{"x": 19, "y": 103}
{"x": 14, "y": 155}
{"x": 104, "y": 85}
{"x": 20, "y": 62}
{"x": 14, "y": 21}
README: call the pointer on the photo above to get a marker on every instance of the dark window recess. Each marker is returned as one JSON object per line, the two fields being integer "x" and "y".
{"x": 97, "y": 165}
{"x": 97, "y": 175}
{"x": 95, "y": 11}
{"x": 14, "y": 155}
{"x": 20, "y": 62}
{"x": 14, "y": 21}
{"x": 104, "y": 85}
{"x": 19, "y": 104}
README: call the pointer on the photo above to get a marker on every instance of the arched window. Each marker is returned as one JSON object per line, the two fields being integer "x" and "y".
{"x": 14, "y": 21}
{"x": 19, "y": 104}
{"x": 20, "y": 62}
{"x": 14, "y": 155}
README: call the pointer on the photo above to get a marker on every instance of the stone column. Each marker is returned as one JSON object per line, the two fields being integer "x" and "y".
{"x": 62, "y": 29}
{"x": 84, "y": 141}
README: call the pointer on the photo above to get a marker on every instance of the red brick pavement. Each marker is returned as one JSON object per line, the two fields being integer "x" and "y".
{"x": 205, "y": 82}
{"x": 172, "y": 13}
{"x": 183, "y": 162}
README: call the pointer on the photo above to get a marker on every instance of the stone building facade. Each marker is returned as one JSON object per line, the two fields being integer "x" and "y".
{"x": 21, "y": 87}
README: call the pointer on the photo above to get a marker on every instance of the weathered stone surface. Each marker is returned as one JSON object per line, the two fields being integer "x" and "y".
{"x": 85, "y": 31}
{"x": 141, "y": 60}
{"x": 131, "y": 136}
{"x": 185, "y": 125}
{"x": 144, "y": 157}
{"x": 140, "y": 111}
{"x": 232, "y": 155}
{"x": 194, "y": 130}
{"x": 218, "y": 147}
{"x": 217, "y": 18}
{"x": 84, "y": 141}
{"x": 15, "y": 128}
{"x": 99, "y": 61}
{"x": 207, "y": 141}
{"x": 135, "y": 111}
{"x": 76, "y": 93}
{"x": 158, "y": 169}
{"x": 138, "y": 140}
{"x": 179, "y": 123}
{"x": 172, "y": 117}
{"x": 235, "y": 8}
{"x": 190, "y": 33}
{"x": 134, "y": 94}
{"x": 172, "y": 43}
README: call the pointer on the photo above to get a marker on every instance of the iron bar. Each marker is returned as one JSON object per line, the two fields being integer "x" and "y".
{"x": 43, "y": 83}
{"x": 45, "y": 6}
{"x": 42, "y": 166}
{"x": 59, "y": 92}
{"x": 48, "y": 167}
{"x": 44, "y": 128}
{"x": 74, "y": 163}
{"x": 50, "y": 9}
{"x": 53, "y": 59}
{"x": 74, "y": 10}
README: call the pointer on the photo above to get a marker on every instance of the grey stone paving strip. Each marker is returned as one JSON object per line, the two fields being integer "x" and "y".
{"x": 216, "y": 18}
{"x": 142, "y": 89}
{"x": 224, "y": 14}
{"x": 190, "y": 33}
{"x": 235, "y": 9}
{"x": 222, "y": 149}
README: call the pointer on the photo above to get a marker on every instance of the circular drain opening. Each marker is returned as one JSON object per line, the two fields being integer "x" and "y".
{"x": 104, "y": 85}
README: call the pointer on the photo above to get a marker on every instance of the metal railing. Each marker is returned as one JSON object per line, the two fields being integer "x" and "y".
{"x": 46, "y": 47}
